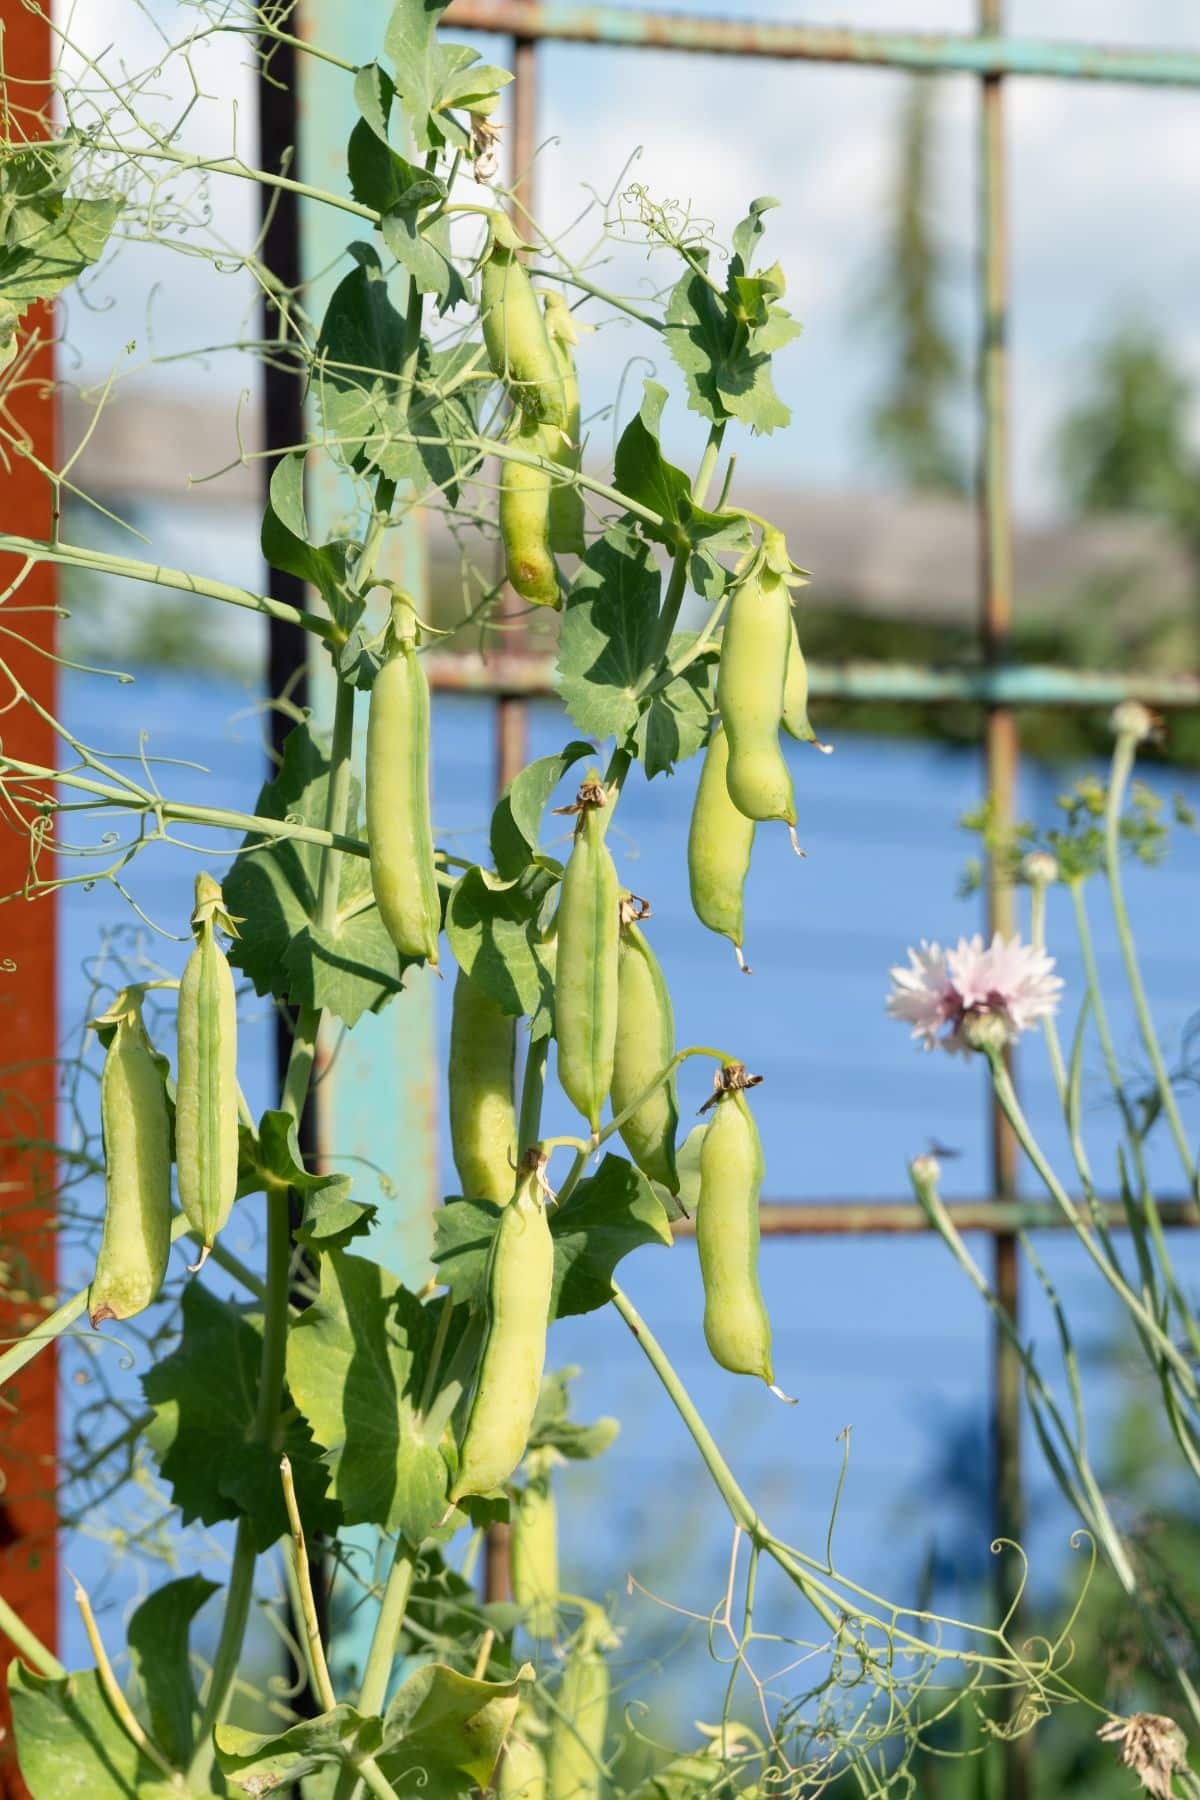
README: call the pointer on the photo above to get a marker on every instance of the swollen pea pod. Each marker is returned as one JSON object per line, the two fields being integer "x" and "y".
{"x": 483, "y": 1120}
{"x": 526, "y": 499}
{"x": 645, "y": 1044}
{"x": 522, "y": 1772}
{"x": 206, "y": 1094}
{"x": 736, "y": 1327}
{"x": 136, "y": 1125}
{"x": 586, "y": 978}
{"x": 576, "y": 1757}
{"x": 514, "y": 331}
{"x": 533, "y": 1547}
{"x": 399, "y": 831}
{"x": 750, "y": 690}
{"x": 520, "y": 1278}
{"x": 566, "y": 500}
{"x": 720, "y": 840}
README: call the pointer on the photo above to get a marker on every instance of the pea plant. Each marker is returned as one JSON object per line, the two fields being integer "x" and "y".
{"x": 323, "y": 1395}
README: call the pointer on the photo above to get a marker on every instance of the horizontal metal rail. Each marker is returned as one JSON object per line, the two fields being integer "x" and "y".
{"x": 900, "y": 1218}
{"x": 1024, "y": 685}
{"x": 634, "y": 28}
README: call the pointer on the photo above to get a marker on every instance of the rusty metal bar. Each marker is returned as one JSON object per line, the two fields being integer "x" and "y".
{"x": 1009, "y": 686}
{"x": 990, "y": 54}
{"x": 28, "y": 998}
{"x": 1002, "y": 751}
{"x": 902, "y": 1218}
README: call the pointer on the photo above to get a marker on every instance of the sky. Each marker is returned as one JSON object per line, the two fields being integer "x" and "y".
{"x": 1104, "y": 183}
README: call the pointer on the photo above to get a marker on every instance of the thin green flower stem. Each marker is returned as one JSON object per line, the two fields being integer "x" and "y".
{"x": 228, "y": 1652}
{"x": 28, "y": 1645}
{"x": 1108, "y": 1050}
{"x": 584, "y": 1148}
{"x": 127, "y": 568}
{"x": 1169, "y": 1351}
{"x": 217, "y": 818}
{"x": 1037, "y": 937}
{"x": 930, "y": 1200}
{"x": 52, "y": 1327}
{"x": 308, "y": 1605}
{"x": 1118, "y": 782}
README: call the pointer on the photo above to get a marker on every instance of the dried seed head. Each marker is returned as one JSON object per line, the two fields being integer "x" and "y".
{"x": 1152, "y": 1746}
{"x": 484, "y": 140}
{"x": 633, "y": 908}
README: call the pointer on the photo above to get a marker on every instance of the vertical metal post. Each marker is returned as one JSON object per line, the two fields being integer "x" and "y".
{"x": 512, "y": 713}
{"x": 28, "y": 989}
{"x": 1001, "y": 753}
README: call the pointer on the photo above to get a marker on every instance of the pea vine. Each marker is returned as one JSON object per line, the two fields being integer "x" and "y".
{"x": 440, "y": 379}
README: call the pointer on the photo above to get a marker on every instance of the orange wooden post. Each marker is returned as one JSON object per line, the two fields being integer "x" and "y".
{"x": 28, "y": 1025}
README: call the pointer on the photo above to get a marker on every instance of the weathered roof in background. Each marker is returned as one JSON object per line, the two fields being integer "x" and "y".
{"x": 888, "y": 555}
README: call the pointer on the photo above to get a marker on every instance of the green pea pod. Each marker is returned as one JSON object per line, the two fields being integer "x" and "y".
{"x": 533, "y": 1548}
{"x": 795, "y": 720}
{"x": 514, "y": 331}
{"x": 574, "y": 1765}
{"x": 526, "y": 496}
{"x": 136, "y": 1125}
{"x": 566, "y": 500}
{"x": 720, "y": 840}
{"x": 520, "y": 1278}
{"x": 399, "y": 831}
{"x": 483, "y": 1121}
{"x": 750, "y": 693}
{"x": 586, "y": 970}
{"x": 206, "y": 1093}
{"x": 645, "y": 1044}
{"x": 522, "y": 1773}
{"x": 736, "y": 1326}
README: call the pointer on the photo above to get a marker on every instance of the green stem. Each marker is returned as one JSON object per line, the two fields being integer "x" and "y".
{"x": 532, "y": 1088}
{"x": 1122, "y": 767}
{"x": 28, "y": 1645}
{"x": 133, "y": 799}
{"x": 1010, "y": 1105}
{"x": 372, "y": 1694}
{"x": 220, "y": 165}
{"x": 228, "y": 1652}
{"x": 129, "y": 569}
{"x": 574, "y": 279}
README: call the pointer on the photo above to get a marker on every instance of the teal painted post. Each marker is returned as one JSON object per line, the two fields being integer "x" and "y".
{"x": 377, "y": 1096}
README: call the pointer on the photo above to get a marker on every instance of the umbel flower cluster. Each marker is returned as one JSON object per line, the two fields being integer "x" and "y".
{"x": 976, "y": 996}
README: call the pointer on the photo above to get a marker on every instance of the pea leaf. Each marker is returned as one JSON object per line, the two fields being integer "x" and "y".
{"x": 351, "y": 969}
{"x": 286, "y": 545}
{"x": 379, "y": 176}
{"x": 158, "y": 1650}
{"x": 260, "y": 1763}
{"x": 492, "y": 926}
{"x": 673, "y": 726}
{"x": 443, "y": 1730}
{"x": 204, "y": 1396}
{"x": 746, "y": 235}
{"x": 424, "y": 254}
{"x": 553, "y": 1427}
{"x": 47, "y": 246}
{"x": 433, "y": 76}
{"x": 607, "y": 635}
{"x": 357, "y": 1361}
{"x": 329, "y": 1217}
{"x": 517, "y": 820}
{"x": 362, "y": 340}
{"x": 69, "y": 1741}
{"x": 609, "y": 1214}
{"x": 643, "y": 473}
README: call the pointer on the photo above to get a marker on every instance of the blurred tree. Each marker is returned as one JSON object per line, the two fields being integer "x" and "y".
{"x": 908, "y": 426}
{"x": 1124, "y": 448}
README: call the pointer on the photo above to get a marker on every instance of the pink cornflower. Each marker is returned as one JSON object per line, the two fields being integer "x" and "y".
{"x": 959, "y": 998}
